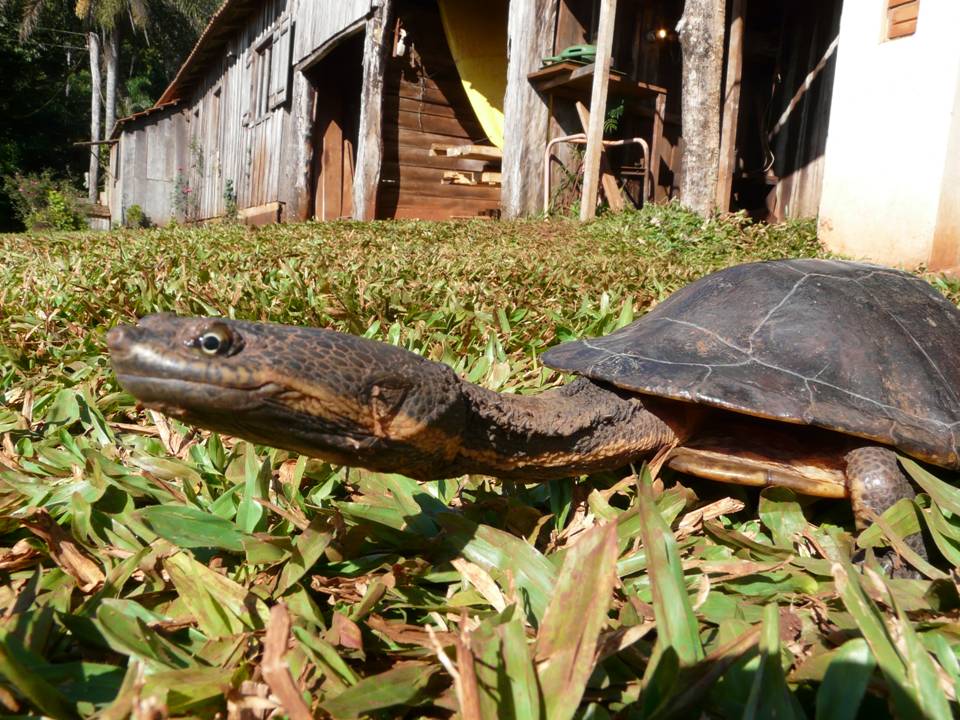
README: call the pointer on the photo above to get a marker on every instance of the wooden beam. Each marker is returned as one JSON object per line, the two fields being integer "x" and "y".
{"x": 607, "y": 180}
{"x": 459, "y": 177}
{"x": 731, "y": 106}
{"x": 467, "y": 151}
{"x": 598, "y": 109}
{"x": 370, "y": 138}
{"x": 656, "y": 143}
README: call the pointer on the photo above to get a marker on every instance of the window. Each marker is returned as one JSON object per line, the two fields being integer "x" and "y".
{"x": 268, "y": 66}
{"x": 902, "y": 18}
{"x": 263, "y": 75}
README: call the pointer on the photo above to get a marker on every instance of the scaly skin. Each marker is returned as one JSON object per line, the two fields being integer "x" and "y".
{"x": 875, "y": 483}
{"x": 874, "y": 480}
{"x": 359, "y": 402}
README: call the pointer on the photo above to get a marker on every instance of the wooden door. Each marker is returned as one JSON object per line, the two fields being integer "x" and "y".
{"x": 334, "y": 158}
{"x": 337, "y": 80}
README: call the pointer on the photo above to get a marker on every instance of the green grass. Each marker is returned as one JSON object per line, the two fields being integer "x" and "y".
{"x": 144, "y": 565}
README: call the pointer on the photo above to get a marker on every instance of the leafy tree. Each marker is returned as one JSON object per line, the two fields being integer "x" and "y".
{"x": 44, "y": 97}
{"x": 178, "y": 21}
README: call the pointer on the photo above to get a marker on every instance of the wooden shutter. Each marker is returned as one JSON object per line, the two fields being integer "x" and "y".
{"x": 902, "y": 18}
{"x": 280, "y": 62}
{"x": 248, "y": 68}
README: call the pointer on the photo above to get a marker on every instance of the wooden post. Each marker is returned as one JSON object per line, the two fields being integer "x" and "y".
{"x": 702, "y": 29}
{"x": 302, "y": 147}
{"x": 526, "y": 117}
{"x": 370, "y": 138}
{"x": 598, "y": 109}
{"x": 656, "y": 143}
{"x": 607, "y": 180}
{"x": 731, "y": 106}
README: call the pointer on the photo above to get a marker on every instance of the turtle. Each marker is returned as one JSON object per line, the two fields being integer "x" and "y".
{"x": 809, "y": 374}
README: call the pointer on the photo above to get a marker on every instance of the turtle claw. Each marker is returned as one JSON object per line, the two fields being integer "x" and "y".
{"x": 889, "y": 562}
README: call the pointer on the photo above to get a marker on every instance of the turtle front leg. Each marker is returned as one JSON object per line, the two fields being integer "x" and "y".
{"x": 874, "y": 481}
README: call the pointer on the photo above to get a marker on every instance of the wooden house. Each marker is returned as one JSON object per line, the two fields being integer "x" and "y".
{"x": 297, "y": 109}
{"x": 891, "y": 186}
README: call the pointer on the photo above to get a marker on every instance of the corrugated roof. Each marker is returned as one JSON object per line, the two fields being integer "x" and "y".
{"x": 142, "y": 114}
{"x": 225, "y": 22}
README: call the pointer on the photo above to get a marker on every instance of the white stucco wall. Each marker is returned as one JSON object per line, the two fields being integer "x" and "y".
{"x": 892, "y": 119}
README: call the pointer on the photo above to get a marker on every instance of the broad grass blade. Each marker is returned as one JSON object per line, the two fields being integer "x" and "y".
{"x": 676, "y": 624}
{"x": 399, "y": 686}
{"x": 567, "y": 640}
{"x": 901, "y": 518}
{"x": 922, "y": 671}
{"x": 770, "y": 696}
{"x": 17, "y": 667}
{"x": 524, "y": 688}
{"x": 123, "y": 624}
{"x": 250, "y": 513}
{"x": 943, "y": 494}
{"x": 191, "y": 527}
{"x": 781, "y": 513}
{"x": 845, "y": 681}
{"x": 221, "y": 606}
{"x": 881, "y": 638}
{"x": 308, "y": 548}
{"x": 498, "y": 552}
{"x": 196, "y": 692}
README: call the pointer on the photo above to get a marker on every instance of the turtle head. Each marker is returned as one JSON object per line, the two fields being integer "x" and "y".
{"x": 338, "y": 397}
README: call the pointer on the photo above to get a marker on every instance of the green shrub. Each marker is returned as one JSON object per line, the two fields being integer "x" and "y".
{"x": 135, "y": 217}
{"x": 230, "y": 208}
{"x": 44, "y": 203}
{"x": 62, "y": 212}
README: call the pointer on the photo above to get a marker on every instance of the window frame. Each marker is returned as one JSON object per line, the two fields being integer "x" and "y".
{"x": 902, "y": 17}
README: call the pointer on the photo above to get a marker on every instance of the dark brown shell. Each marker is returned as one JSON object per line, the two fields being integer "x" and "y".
{"x": 861, "y": 349}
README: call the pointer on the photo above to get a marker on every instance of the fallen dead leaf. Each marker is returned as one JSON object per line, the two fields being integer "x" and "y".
{"x": 468, "y": 692}
{"x": 64, "y": 550}
{"x": 613, "y": 641}
{"x": 276, "y": 672}
{"x": 482, "y": 581}
{"x": 402, "y": 633}
{"x": 21, "y": 555}
{"x": 692, "y": 521}
{"x": 345, "y": 632}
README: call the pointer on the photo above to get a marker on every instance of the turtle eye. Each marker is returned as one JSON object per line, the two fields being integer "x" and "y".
{"x": 215, "y": 340}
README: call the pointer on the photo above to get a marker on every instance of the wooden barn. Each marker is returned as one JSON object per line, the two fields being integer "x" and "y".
{"x": 433, "y": 109}
{"x": 297, "y": 109}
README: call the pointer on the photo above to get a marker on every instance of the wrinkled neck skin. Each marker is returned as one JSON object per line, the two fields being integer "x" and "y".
{"x": 575, "y": 429}
{"x": 354, "y": 401}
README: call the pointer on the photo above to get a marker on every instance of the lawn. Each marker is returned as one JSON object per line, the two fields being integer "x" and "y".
{"x": 150, "y": 569}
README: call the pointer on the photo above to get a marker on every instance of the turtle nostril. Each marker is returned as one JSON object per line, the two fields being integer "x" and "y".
{"x": 120, "y": 337}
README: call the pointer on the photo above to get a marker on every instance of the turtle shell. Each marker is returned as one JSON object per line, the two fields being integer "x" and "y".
{"x": 860, "y": 349}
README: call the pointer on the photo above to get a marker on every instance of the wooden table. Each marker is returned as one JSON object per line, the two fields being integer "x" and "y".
{"x": 573, "y": 81}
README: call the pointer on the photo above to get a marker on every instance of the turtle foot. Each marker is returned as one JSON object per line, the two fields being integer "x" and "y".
{"x": 875, "y": 482}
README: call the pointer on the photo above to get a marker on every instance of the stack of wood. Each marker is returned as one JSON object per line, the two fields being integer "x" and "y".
{"x": 490, "y": 175}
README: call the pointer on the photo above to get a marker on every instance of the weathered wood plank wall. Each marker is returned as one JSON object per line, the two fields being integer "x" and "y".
{"x": 526, "y": 115}
{"x": 799, "y": 135}
{"x": 424, "y": 103}
{"x": 218, "y": 135}
{"x": 378, "y": 36}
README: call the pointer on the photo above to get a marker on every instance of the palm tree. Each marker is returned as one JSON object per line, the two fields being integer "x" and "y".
{"x": 107, "y": 17}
